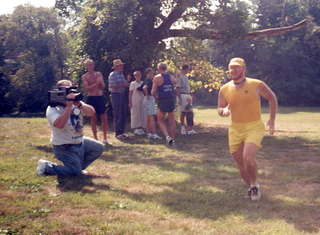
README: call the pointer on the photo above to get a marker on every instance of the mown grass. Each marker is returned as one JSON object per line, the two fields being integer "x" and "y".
{"x": 144, "y": 187}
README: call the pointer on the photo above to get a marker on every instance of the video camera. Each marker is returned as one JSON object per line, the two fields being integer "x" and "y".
{"x": 58, "y": 96}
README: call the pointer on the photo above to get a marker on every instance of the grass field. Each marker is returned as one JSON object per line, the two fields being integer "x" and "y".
{"x": 144, "y": 187}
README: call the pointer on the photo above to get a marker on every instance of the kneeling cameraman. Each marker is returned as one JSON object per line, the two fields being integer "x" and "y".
{"x": 76, "y": 151}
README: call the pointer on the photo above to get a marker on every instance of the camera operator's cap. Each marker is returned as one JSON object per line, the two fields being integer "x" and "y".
{"x": 237, "y": 61}
{"x": 117, "y": 62}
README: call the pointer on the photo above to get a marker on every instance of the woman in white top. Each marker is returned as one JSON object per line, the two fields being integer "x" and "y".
{"x": 136, "y": 104}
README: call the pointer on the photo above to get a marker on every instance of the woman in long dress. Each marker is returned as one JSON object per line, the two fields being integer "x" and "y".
{"x": 136, "y": 104}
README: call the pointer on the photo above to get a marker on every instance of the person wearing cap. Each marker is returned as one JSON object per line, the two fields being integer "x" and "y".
{"x": 94, "y": 86}
{"x": 70, "y": 146}
{"x": 240, "y": 97}
{"x": 163, "y": 88}
{"x": 117, "y": 88}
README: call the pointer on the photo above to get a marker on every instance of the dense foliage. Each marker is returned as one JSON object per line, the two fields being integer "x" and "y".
{"x": 31, "y": 58}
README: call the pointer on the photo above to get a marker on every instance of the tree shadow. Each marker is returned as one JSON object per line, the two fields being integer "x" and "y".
{"x": 213, "y": 189}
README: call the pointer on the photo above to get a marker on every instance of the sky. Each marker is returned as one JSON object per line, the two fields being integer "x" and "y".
{"x": 7, "y": 6}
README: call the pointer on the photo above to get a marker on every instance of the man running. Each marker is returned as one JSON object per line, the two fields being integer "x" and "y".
{"x": 93, "y": 85}
{"x": 241, "y": 98}
{"x": 163, "y": 89}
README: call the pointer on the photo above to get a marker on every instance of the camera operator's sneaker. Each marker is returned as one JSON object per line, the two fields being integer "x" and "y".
{"x": 170, "y": 141}
{"x": 41, "y": 168}
{"x": 254, "y": 193}
{"x": 183, "y": 130}
{"x": 156, "y": 137}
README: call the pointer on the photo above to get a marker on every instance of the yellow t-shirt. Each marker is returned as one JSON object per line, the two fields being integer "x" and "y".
{"x": 244, "y": 103}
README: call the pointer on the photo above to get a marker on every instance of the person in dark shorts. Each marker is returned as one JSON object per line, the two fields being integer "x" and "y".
{"x": 163, "y": 89}
{"x": 94, "y": 86}
{"x": 98, "y": 102}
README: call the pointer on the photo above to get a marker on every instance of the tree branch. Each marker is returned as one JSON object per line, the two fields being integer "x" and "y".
{"x": 174, "y": 15}
{"x": 207, "y": 34}
{"x": 276, "y": 31}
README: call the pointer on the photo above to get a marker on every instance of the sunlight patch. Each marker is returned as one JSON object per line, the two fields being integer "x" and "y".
{"x": 287, "y": 199}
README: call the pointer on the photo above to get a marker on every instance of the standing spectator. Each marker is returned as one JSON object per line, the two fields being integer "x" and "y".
{"x": 117, "y": 87}
{"x": 163, "y": 89}
{"x": 94, "y": 86}
{"x": 185, "y": 102}
{"x": 149, "y": 104}
{"x": 136, "y": 104}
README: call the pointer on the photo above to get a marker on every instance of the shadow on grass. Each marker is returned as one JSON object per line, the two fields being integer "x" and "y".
{"x": 213, "y": 189}
{"x": 82, "y": 183}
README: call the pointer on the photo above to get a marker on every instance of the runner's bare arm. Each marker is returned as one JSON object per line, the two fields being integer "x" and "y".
{"x": 269, "y": 95}
{"x": 222, "y": 105}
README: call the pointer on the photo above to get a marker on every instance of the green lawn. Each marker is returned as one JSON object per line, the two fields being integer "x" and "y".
{"x": 144, "y": 187}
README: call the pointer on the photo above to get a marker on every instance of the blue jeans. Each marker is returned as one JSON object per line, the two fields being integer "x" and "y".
{"x": 75, "y": 158}
{"x": 120, "y": 111}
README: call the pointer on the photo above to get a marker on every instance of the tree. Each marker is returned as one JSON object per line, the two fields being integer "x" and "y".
{"x": 32, "y": 58}
{"x": 135, "y": 30}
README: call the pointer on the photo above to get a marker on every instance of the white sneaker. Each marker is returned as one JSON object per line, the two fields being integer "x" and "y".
{"x": 142, "y": 132}
{"x": 170, "y": 141}
{"x": 192, "y": 132}
{"x": 149, "y": 135}
{"x": 156, "y": 137}
{"x": 138, "y": 132}
{"x": 183, "y": 130}
{"x": 41, "y": 168}
{"x": 255, "y": 193}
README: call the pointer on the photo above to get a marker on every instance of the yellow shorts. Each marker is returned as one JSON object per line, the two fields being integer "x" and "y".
{"x": 250, "y": 132}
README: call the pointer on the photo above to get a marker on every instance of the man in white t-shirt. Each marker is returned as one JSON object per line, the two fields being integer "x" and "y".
{"x": 76, "y": 151}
